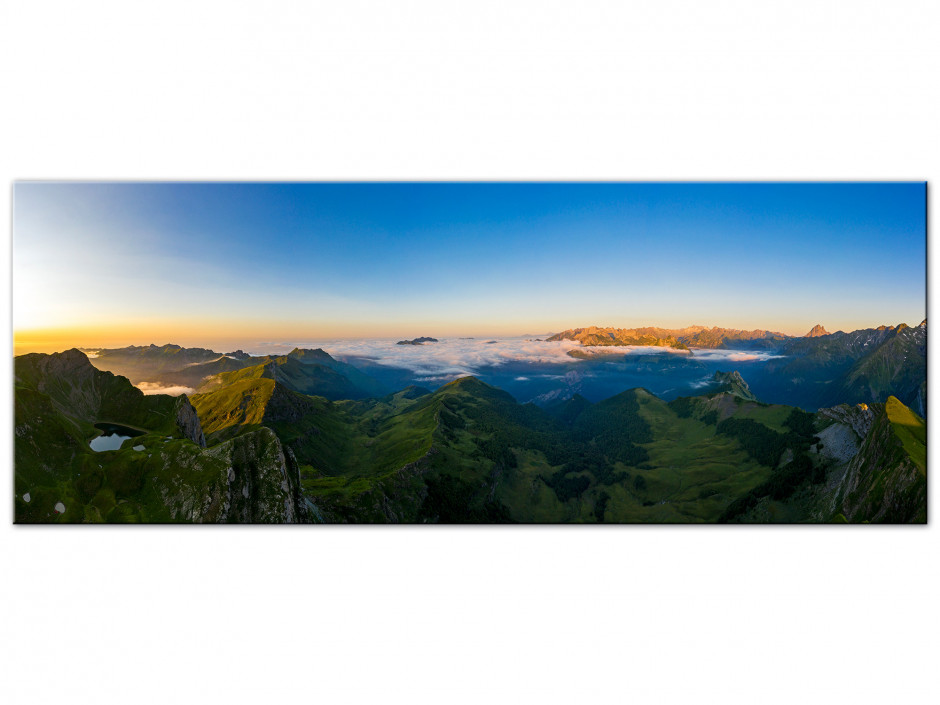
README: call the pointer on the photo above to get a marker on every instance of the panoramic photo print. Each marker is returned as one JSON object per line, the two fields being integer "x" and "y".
{"x": 493, "y": 353}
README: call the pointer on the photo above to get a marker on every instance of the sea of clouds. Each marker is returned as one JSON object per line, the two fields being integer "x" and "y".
{"x": 450, "y": 357}
{"x": 454, "y": 357}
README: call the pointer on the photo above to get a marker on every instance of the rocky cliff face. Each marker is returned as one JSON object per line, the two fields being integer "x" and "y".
{"x": 883, "y": 483}
{"x": 733, "y": 383}
{"x": 187, "y": 420}
{"x": 878, "y": 478}
{"x": 859, "y": 417}
{"x": 680, "y": 338}
{"x": 254, "y": 482}
{"x": 816, "y": 332}
{"x": 594, "y": 336}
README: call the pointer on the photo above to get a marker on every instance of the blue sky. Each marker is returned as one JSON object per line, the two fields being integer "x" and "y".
{"x": 330, "y": 260}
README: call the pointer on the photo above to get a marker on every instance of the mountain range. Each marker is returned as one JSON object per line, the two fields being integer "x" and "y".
{"x": 860, "y": 367}
{"x": 814, "y": 371}
{"x": 306, "y": 438}
{"x": 309, "y": 371}
{"x": 679, "y": 338}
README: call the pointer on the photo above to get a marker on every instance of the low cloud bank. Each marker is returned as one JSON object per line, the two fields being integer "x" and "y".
{"x": 456, "y": 357}
{"x": 444, "y": 378}
{"x": 453, "y": 357}
{"x": 709, "y": 355}
{"x": 603, "y": 350}
{"x": 704, "y": 382}
{"x": 174, "y": 390}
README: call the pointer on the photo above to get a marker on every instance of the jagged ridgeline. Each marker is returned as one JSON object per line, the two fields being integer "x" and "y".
{"x": 827, "y": 369}
{"x": 258, "y": 444}
{"x": 679, "y": 338}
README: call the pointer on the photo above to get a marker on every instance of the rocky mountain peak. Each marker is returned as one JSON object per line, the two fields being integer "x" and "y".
{"x": 317, "y": 353}
{"x": 733, "y": 382}
{"x": 67, "y": 363}
{"x": 733, "y": 377}
{"x": 816, "y": 331}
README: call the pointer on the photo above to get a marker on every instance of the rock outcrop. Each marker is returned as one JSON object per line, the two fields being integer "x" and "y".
{"x": 859, "y": 417}
{"x": 883, "y": 482}
{"x": 877, "y": 477}
{"x": 816, "y": 332}
{"x": 187, "y": 420}
{"x": 733, "y": 383}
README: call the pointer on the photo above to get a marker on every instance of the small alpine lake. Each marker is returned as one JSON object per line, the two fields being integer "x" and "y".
{"x": 112, "y": 436}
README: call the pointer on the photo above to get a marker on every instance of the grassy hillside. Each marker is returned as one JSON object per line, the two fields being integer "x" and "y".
{"x": 161, "y": 475}
{"x": 467, "y": 452}
{"x": 910, "y": 430}
{"x": 470, "y": 452}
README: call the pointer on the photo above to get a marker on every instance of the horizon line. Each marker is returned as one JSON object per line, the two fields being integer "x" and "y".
{"x": 28, "y": 340}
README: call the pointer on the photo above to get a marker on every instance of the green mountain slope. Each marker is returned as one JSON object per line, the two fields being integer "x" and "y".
{"x": 467, "y": 452}
{"x": 869, "y": 467}
{"x": 164, "y": 474}
{"x": 887, "y": 480}
{"x": 470, "y": 452}
{"x": 305, "y": 377}
{"x": 897, "y": 367}
{"x": 362, "y": 384}
{"x": 80, "y": 392}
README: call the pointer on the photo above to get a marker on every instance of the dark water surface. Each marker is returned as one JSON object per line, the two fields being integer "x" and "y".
{"x": 113, "y": 435}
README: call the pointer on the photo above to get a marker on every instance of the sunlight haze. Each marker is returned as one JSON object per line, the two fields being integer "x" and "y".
{"x": 235, "y": 264}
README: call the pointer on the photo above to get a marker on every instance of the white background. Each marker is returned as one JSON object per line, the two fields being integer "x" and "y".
{"x": 476, "y": 90}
